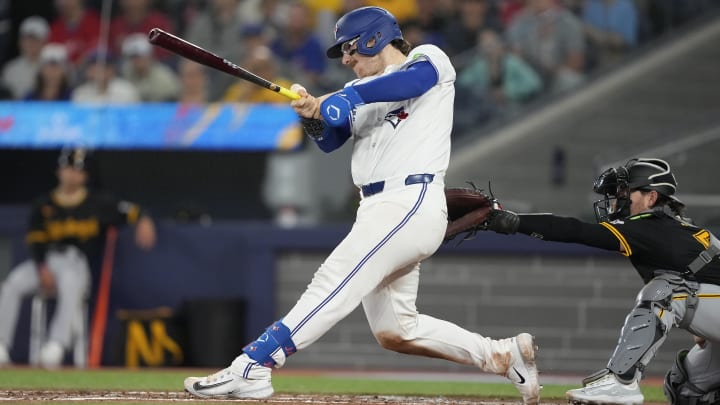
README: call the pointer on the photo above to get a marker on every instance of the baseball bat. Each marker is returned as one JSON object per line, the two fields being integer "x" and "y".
{"x": 181, "y": 47}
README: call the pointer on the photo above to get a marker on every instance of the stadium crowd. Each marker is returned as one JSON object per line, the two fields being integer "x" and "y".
{"x": 507, "y": 52}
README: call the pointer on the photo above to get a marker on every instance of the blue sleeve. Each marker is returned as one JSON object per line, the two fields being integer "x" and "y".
{"x": 401, "y": 85}
{"x": 333, "y": 138}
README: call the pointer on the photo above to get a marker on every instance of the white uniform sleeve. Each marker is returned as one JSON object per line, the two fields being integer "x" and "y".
{"x": 438, "y": 58}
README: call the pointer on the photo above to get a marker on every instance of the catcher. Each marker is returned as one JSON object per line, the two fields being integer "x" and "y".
{"x": 641, "y": 218}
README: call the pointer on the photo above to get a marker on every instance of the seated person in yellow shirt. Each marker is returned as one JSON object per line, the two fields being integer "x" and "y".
{"x": 261, "y": 62}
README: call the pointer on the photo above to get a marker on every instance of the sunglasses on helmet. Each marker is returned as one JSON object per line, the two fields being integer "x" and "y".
{"x": 347, "y": 47}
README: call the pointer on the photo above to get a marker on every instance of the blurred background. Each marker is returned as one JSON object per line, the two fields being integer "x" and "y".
{"x": 548, "y": 94}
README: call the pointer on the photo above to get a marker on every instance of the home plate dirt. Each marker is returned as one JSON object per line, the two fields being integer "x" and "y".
{"x": 35, "y": 396}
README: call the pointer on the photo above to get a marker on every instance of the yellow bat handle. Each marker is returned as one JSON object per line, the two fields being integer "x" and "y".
{"x": 288, "y": 93}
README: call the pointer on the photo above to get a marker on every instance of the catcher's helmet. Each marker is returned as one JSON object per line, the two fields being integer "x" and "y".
{"x": 616, "y": 184}
{"x": 75, "y": 157}
{"x": 374, "y": 27}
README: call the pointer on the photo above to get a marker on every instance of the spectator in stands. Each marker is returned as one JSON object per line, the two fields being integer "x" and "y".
{"x": 508, "y": 9}
{"x": 102, "y": 84}
{"x": 64, "y": 236}
{"x": 5, "y": 34}
{"x": 403, "y": 10}
{"x": 76, "y": 27}
{"x": 300, "y": 49}
{"x": 253, "y": 36}
{"x": 494, "y": 82}
{"x": 19, "y": 74}
{"x": 193, "y": 82}
{"x": 268, "y": 13}
{"x": 216, "y": 29}
{"x": 611, "y": 27}
{"x": 53, "y": 81}
{"x": 138, "y": 16}
{"x": 472, "y": 17}
{"x": 349, "y": 5}
{"x": 153, "y": 80}
{"x": 658, "y": 17}
{"x": 434, "y": 15}
{"x": 415, "y": 33}
{"x": 261, "y": 62}
{"x": 551, "y": 39}
{"x": 325, "y": 14}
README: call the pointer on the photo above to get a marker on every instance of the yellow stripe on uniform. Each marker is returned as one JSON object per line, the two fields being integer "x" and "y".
{"x": 618, "y": 235}
{"x": 36, "y": 237}
{"x": 133, "y": 214}
{"x": 682, "y": 297}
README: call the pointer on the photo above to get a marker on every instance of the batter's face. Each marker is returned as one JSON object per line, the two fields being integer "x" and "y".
{"x": 362, "y": 65}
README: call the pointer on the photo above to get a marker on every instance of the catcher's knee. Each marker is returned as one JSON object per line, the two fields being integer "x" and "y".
{"x": 680, "y": 391}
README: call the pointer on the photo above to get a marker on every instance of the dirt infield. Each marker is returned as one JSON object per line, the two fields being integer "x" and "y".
{"x": 87, "y": 397}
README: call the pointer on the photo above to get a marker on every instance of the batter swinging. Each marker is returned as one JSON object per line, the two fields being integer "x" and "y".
{"x": 399, "y": 115}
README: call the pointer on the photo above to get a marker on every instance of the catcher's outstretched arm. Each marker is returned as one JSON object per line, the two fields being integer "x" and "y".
{"x": 565, "y": 229}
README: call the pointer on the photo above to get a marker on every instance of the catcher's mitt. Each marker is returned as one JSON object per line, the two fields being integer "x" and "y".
{"x": 468, "y": 210}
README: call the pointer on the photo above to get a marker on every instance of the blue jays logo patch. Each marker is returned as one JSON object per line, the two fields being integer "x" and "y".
{"x": 395, "y": 116}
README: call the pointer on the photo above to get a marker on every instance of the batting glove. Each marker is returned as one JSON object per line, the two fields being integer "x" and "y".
{"x": 337, "y": 109}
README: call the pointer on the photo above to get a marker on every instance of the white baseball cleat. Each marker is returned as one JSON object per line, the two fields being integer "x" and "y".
{"x": 607, "y": 390}
{"x": 4, "y": 356}
{"x": 51, "y": 355}
{"x": 522, "y": 370}
{"x": 244, "y": 378}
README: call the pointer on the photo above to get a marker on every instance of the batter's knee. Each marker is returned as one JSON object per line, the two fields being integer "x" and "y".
{"x": 392, "y": 341}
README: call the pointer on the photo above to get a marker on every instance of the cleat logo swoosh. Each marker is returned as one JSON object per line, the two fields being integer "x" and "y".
{"x": 198, "y": 387}
{"x": 522, "y": 379}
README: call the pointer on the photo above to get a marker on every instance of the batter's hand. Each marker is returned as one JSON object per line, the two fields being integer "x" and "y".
{"x": 306, "y": 106}
{"x": 145, "y": 233}
{"x": 337, "y": 109}
{"x": 47, "y": 280}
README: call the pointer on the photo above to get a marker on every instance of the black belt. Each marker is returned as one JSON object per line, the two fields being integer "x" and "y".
{"x": 377, "y": 187}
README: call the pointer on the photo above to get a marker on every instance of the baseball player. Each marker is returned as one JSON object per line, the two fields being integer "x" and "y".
{"x": 642, "y": 219}
{"x": 66, "y": 226}
{"x": 399, "y": 116}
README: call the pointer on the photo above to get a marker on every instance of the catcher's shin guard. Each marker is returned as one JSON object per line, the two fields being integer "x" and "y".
{"x": 643, "y": 331}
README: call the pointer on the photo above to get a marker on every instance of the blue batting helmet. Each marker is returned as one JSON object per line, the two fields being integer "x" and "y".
{"x": 374, "y": 27}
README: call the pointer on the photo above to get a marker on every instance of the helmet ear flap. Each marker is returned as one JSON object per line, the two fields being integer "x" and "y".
{"x": 375, "y": 26}
{"x": 370, "y": 43}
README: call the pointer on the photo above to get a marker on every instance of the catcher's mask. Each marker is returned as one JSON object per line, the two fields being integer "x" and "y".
{"x": 616, "y": 184}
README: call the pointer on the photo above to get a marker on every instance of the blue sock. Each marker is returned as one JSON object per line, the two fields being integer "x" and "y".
{"x": 276, "y": 336}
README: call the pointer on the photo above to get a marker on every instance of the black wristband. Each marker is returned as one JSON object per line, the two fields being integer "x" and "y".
{"x": 313, "y": 128}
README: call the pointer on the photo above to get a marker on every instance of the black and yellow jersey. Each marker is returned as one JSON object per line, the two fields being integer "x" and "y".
{"x": 652, "y": 240}
{"x": 54, "y": 225}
